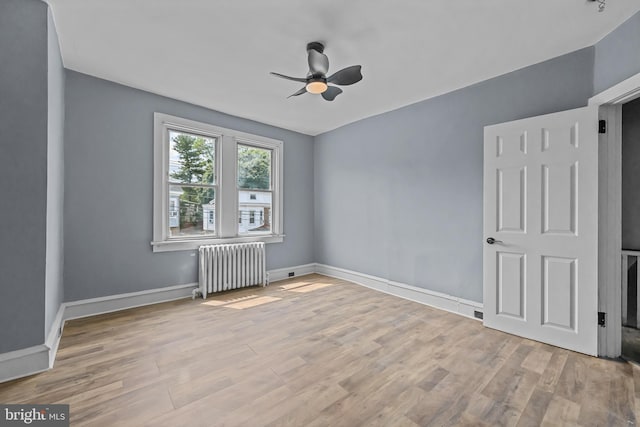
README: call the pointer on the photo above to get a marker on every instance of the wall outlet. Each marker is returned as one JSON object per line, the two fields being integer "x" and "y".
{"x": 477, "y": 314}
{"x": 291, "y": 274}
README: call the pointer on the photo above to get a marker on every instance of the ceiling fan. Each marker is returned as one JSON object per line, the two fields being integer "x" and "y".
{"x": 317, "y": 81}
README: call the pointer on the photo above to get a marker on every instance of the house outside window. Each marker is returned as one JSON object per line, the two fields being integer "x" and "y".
{"x": 174, "y": 218}
{"x": 197, "y": 202}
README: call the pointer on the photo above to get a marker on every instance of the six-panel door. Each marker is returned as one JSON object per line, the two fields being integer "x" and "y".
{"x": 541, "y": 207}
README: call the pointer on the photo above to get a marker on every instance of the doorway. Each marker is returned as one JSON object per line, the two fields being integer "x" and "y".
{"x": 630, "y": 291}
{"x": 611, "y": 272}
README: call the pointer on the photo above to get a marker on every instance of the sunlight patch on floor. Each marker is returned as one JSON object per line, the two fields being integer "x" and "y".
{"x": 312, "y": 287}
{"x": 250, "y": 299}
{"x": 252, "y": 302}
{"x": 220, "y": 302}
{"x": 241, "y": 302}
{"x": 290, "y": 286}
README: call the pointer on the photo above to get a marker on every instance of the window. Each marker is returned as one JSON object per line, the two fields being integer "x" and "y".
{"x": 191, "y": 182}
{"x": 254, "y": 180}
{"x": 197, "y": 201}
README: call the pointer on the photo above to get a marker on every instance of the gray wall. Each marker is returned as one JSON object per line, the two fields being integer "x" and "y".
{"x": 617, "y": 56}
{"x": 630, "y": 175}
{"x": 23, "y": 172}
{"x": 109, "y": 190}
{"x": 399, "y": 195}
{"x": 55, "y": 177}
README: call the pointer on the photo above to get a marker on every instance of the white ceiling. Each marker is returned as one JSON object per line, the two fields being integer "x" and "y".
{"x": 218, "y": 53}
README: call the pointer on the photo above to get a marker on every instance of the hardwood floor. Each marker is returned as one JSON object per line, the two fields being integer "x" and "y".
{"x": 317, "y": 351}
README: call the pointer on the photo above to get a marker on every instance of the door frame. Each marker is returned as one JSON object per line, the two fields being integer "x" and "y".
{"x": 610, "y": 211}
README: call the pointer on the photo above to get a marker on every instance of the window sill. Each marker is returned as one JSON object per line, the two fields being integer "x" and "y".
{"x": 193, "y": 244}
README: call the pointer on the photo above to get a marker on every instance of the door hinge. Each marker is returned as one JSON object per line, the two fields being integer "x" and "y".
{"x": 601, "y": 319}
{"x": 602, "y": 126}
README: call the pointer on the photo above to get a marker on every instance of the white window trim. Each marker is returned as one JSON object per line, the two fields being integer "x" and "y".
{"x": 226, "y": 194}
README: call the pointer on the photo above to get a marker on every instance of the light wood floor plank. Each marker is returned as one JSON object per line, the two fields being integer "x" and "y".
{"x": 318, "y": 351}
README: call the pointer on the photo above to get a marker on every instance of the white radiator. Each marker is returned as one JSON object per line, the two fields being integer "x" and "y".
{"x": 233, "y": 266}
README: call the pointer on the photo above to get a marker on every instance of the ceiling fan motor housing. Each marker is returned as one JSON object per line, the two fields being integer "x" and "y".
{"x": 317, "y": 46}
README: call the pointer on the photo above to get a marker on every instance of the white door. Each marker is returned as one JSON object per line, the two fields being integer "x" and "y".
{"x": 541, "y": 207}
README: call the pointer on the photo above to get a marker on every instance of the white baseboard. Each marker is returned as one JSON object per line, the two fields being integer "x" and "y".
{"x": 24, "y": 362}
{"x": 423, "y": 296}
{"x": 55, "y": 333}
{"x": 283, "y": 273}
{"x": 109, "y": 304}
{"x": 32, "y": 360}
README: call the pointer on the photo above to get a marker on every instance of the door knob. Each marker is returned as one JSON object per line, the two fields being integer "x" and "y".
{"x": 491, "y": 241}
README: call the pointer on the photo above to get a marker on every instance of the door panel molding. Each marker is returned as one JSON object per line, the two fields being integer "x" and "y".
{"x": 511, "y": 299}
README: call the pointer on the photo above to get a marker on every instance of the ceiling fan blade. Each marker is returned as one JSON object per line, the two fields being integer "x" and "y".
{"x": 331, "y": 93}
{"x": 318, "y": 62}
{"x": 346, "y": 76}
{"x": 300, "y": 92}
{"x": 295, "y": 79}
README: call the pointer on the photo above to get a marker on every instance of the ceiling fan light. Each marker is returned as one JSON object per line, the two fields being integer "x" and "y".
{"x": 316, "y": 87}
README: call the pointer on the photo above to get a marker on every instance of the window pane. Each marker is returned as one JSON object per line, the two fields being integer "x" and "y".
{"x": 192, "y": 211}
{"x": 254, "y": 214}
{"x": 191, "y": 158}
{"x": 254, "y": 168}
